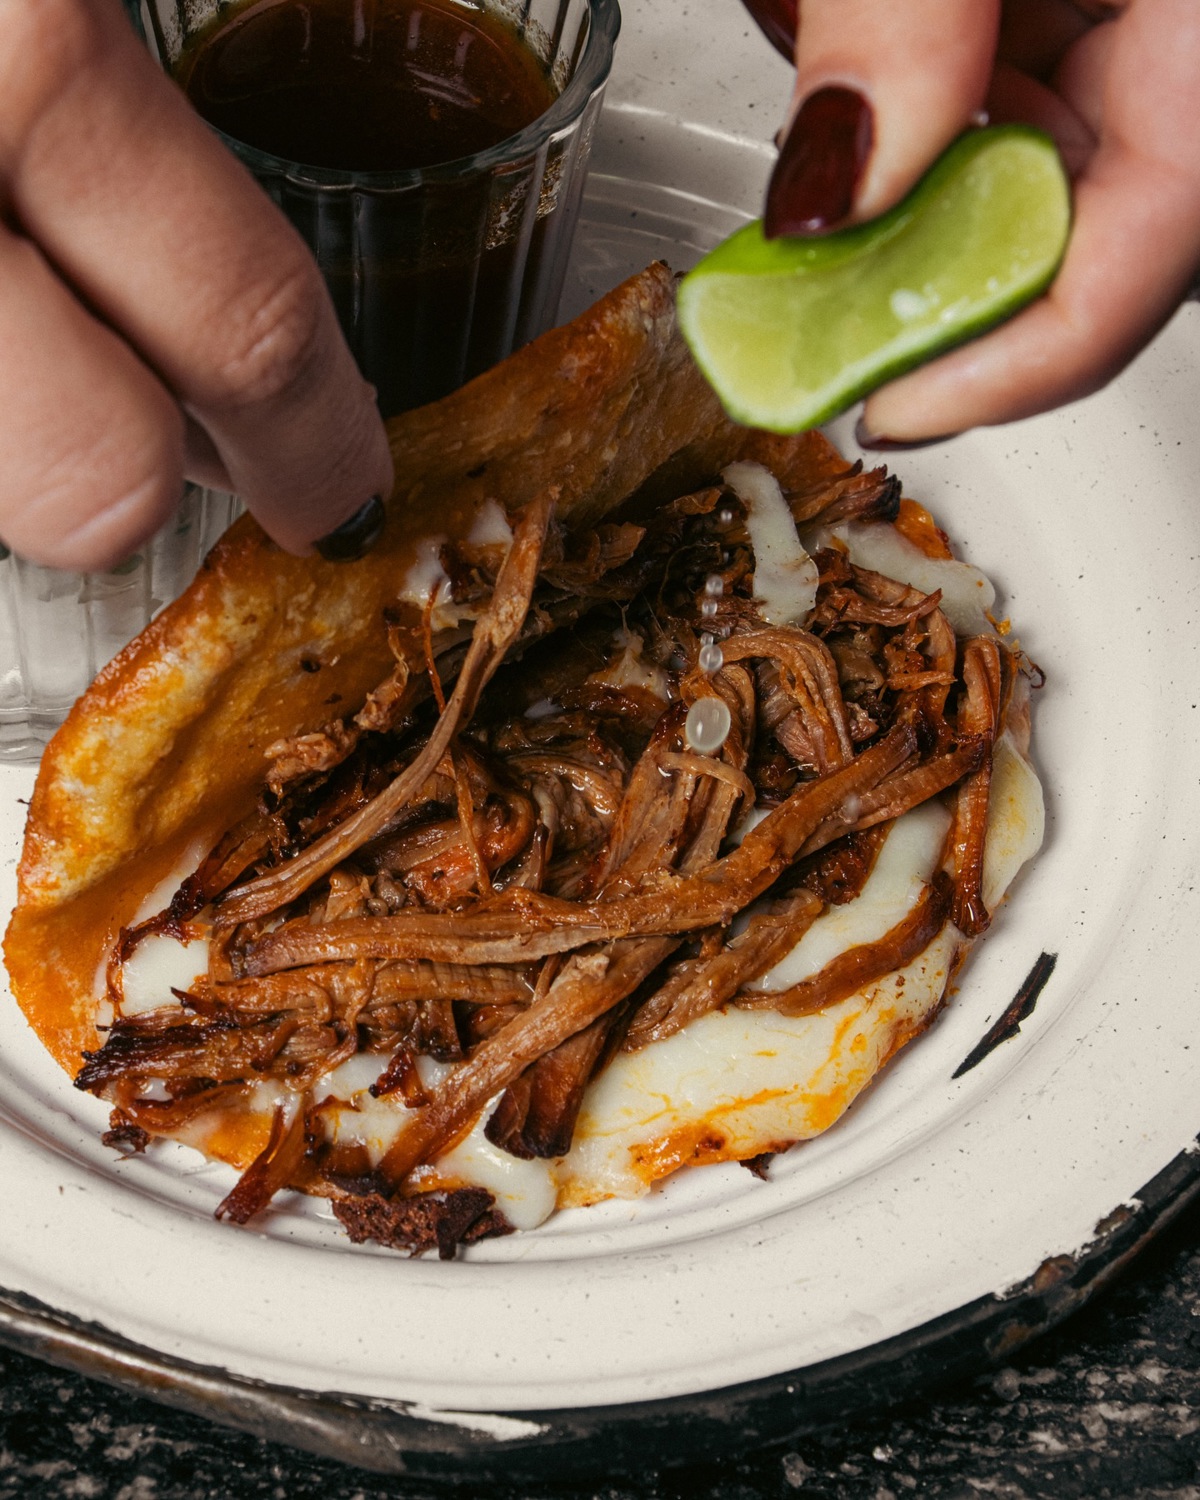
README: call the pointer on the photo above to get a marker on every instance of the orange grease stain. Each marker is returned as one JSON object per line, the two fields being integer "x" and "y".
{"x": 699, "y": 1142}
{"x": 916, "y": 525}
{"x": 238, "y": 1138}
{"x": 824, "y": 1109}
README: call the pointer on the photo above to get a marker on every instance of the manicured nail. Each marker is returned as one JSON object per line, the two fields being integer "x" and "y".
{"x": 875, "y": 443}
{"x": 777, "y": 20}
{"x": 820, "y": 164}
{"x": 355, "y": 537}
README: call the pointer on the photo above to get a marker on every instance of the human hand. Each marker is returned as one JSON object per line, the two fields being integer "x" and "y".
{"x": 883, "y": 86}
{"x": 159, "y": 318}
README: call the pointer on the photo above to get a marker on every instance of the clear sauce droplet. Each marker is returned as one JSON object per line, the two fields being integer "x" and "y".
{"x": 708, "y": 724}
{"x": 711, "y": 658}
{"x": 708, "y": 608}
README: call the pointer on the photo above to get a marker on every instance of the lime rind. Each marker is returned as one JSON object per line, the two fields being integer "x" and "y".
{"x": 790, "y": 332}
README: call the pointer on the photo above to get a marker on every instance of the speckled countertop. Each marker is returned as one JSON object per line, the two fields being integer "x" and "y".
{"x": 1106, "y": 1406}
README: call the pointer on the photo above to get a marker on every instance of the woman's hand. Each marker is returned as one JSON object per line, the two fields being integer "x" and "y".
{"x": 883, "y": 86}
{"x": 158, "y": 317}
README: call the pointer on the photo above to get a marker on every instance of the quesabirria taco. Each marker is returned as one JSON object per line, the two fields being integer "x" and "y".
{"x": 627, "y": 808}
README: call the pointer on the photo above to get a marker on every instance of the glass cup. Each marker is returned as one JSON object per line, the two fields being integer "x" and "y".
{"x": 58, "y": 629}
{"x": 436, "y": 273}
{"x": 439, "y": 272}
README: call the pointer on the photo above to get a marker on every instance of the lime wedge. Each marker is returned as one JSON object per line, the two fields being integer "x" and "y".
{"x": 790, "y": 331}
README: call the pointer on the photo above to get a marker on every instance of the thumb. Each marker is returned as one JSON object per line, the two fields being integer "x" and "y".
{"x": 882, "y": 87}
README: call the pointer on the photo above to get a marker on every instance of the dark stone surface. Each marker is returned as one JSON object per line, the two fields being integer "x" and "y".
{"x": 1105, "y": 1408}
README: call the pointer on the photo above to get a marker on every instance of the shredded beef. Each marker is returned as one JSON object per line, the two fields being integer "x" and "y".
{"x": 430, "y": 1221}
{"x": 757, "y": 1165}
{"x": 124, "y": 1136}
{"x": 491, "y": 898}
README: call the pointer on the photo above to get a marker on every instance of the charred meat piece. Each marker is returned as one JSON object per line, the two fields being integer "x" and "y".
{"x": 439, "y": 1221}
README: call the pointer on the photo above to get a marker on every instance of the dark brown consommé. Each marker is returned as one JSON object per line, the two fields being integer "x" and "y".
{"x": 431, "y": 285}
{"x": 365, "y": 85}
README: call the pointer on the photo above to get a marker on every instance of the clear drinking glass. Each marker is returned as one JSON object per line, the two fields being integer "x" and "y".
{"x": 439, "y": 272}
{"x": 436, "y": 273}
{"x": 58, "y": 629}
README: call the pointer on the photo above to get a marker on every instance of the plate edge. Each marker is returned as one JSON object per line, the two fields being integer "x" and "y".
{"x": 394, "y": 1437}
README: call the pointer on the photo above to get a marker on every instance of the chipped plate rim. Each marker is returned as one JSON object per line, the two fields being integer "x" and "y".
{"x": 1003, "y": 1198}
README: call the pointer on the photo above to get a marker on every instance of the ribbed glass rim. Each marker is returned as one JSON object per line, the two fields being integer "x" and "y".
{"x": 604, "y": 25}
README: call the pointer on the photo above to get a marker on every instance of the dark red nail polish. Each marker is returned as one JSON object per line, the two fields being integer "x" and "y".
{"x": 355, "y": 537}
{"x": 820, "y": 164}
{"x": 777, "y": 20}
{"x": 876, "y": 443}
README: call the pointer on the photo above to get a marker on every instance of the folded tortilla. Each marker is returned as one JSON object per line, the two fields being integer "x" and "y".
{"x": 168, "y": 748}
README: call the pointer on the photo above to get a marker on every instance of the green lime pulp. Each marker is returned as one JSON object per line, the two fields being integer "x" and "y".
{"x": 791, "y": 331}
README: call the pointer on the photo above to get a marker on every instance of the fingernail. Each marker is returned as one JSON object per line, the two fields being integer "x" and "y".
{"x": 355, "y": 537}
{"x": 876, "y": 443}
{"x": 777, "y": 20}
{"x": 820, "y": 164}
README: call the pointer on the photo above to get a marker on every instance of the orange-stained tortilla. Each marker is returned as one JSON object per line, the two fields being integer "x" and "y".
{"x": 167, "y": 747}
{"x": 916, "y": 525}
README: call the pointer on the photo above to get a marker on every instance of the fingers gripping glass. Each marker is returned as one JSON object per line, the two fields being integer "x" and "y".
{"x": 436, "y": 272}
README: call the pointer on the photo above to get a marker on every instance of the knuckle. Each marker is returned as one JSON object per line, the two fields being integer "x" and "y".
{"x": 275, "y": 347}
{"x": 129, "y": 517}
{"x": 99, "y": 498}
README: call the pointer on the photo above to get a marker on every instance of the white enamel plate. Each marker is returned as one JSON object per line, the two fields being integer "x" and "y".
{"x": 935, "y": 1194}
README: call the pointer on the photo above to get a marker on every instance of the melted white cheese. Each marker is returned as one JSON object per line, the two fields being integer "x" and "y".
{"x": 907, "y": 860}
{"x": 490, "y": 527}
{"x": 350, "y": 1078}
{"x": 179, "y": 970}
{"x": 1016, "y": 820}
{"x": 966, "y": 594}
{"x": 747, "y": 823}
{"x": 160, "y": 897}
{"x": 630, "y": 668}
{"x": 785, "y": 577}
{"x": 736, "y": 1082}
{"x": 542, "y": 709}
{"x": 524, "y": 1191}
{"x": 426, "y": 577}
{"x": 428, "y": 580}
{"x": 157, "y": 965}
